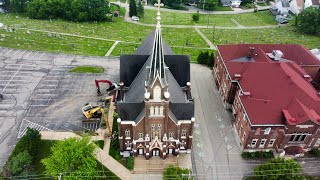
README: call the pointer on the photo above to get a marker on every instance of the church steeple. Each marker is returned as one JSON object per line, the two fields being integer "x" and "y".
{"x": 157, "y": 57}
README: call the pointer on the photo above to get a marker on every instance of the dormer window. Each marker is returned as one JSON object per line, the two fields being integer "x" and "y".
{"x": 157, "y": 93}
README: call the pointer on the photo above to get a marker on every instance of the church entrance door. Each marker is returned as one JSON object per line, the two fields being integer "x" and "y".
{"x": 140, "y": 151}
{"x": 155, "y": 152}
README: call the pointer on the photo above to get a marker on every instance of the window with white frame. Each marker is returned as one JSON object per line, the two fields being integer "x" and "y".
{"x": 161, "y": 111}
{"x": 127, "y": 133}
{"x": 159, "y": 130}
{"x": 151, "y": 111}
{"x": 156, "y": 111}
{"x": 153, "y": 131}
{"x": 244, "y": 118}
{"x": 182, "y": 144}
{"x": 243, "y": 136}
{"x": 128, "y": 144}
{"x": 298, "y": 137}
{"x": 254, "y": 142}
{"x": 171, "y": 135}
{"x": 271, "y": 142}
{"x": 262, "y": 142}
{"x": 140, "y": 135}
{"x": 184, "y": 133}
{"x": 240, "y": 129}
{"x": 157, "y": 93}
{"x": 267, "y": 131}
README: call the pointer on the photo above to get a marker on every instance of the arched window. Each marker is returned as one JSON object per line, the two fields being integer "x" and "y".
{"x": 184, "y": 133}
{"x": 153, "y": 131}
{"x": 156, "y": 111}
{"x": 127, "y": 133}
{"x": 157, "y": 93}
{"x": 161, "y": 111}
{"x": 159, "y": 131}
{"x": 151, "y": 111}
{"x": 171, "y": 135}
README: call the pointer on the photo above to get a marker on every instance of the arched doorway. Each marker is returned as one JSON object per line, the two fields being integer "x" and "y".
{"x": 170, "y": 149}
{"x": 155, "y": 152}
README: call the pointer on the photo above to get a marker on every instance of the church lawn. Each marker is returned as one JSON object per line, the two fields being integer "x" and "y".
{"x": 106, "y": 33}
{"x": 278, "y": 35}
{"x": 87, "y": 69}
{"x": 261, "y": 18}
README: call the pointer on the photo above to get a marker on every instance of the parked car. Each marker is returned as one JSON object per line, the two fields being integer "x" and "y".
{"x": 135, "y": 18}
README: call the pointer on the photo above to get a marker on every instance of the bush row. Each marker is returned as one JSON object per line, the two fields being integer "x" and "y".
{"x": 257, "y": 154}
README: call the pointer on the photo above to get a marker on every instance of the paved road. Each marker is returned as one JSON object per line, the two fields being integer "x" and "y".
{"x": 39, "y": 92}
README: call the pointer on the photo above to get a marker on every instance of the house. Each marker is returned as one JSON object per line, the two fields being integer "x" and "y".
{"x": 235, "y": 3}
{"x": 311, "y": 3}
{"x": 280, "y": 8}
{"x": 267, "y": 88}
{"x": 155, "y": 105}
{"x": 296, "y": 6}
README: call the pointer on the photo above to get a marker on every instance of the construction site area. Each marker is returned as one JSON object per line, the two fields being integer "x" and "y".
{"x": 37, "y": 91}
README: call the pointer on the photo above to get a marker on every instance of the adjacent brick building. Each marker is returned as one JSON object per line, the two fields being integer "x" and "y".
{"x": 271, "y": 91}
{"x": 155, "y": 105}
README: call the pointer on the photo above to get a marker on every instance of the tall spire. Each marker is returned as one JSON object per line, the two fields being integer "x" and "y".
{"x": 157, "y": 61}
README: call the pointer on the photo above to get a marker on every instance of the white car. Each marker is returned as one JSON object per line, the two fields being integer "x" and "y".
{"x": 135, "y": 18}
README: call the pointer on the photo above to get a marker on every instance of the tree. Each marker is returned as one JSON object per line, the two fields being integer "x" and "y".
{"x": 29, "y": 142}
{"x": 210, "y": 61}
{"x": 195, "y": 17}
{"x": 6, "y": 5}
{"x": 18, "y": 6}
{"x": 132, "y": 8}
{"x": 20, "y": 164}
{"x": 72, "y": 155}
{"x": 140, "y": 9}
{"x": 172, "y": 172}
{"x": 279, "y": 168}
{"x": 209, "y": 4}
{"x": 309, "y": 21}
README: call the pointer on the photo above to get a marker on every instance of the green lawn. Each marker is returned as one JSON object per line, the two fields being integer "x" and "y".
{"x": 285, "y": 35}
{"x": 131, "y": 36}
{"x": 260, "y": 18}
{"x": 222, "y": 8}
{"x": 87, "y": 69}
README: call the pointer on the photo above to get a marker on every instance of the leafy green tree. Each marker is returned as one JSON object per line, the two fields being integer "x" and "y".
{"x": 244, "y": 2}
{"x": 209, "y": 4}
{"x": 210, "y": 60}
{"x": 172, "y": 3}
{"x": 21, "y": 164}
{"x": 195, "y": 17}
{"x": 6, "y": 5}
{"x": 132, "y": 8}
{"x": 31, "y": 142}
{"x": 200, "y": 58}
{"x": 72, "y": 155}
{"x": 18, "y": 6}
{"x": 172, "y": 172}
{"x": 309, "y": 21}
{"x": 140, "y": 9}
{"x": 279, "y": 168}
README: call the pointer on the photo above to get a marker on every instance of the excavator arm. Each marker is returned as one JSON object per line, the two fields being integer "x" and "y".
{"x": 111, "y": 87}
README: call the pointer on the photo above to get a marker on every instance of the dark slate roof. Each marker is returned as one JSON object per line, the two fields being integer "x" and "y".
{"x": 134, "y": 72}
{"x": 146, "y": 47}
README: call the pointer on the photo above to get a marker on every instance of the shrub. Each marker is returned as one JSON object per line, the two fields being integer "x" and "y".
{"x": 315, "y": 152}
{"x": 99, "y": 143}
{"x": 257, "y": 154}
{"x": 172, "y": 172}
{"x": 29, "y": 142}
{"x": 130, "y": 162}
{"x": 206, "y": 58}
{"x": 20, "y": 164}
{"x": 195, "y": 17}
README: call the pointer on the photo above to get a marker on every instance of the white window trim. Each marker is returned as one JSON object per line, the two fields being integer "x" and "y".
{"x": 271, "y": 140}
{"x": 262, "y": 145}
{"x": 255, "y": 144}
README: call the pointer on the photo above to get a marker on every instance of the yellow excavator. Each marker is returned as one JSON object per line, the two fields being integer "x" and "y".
{"x": 90, "y": 111}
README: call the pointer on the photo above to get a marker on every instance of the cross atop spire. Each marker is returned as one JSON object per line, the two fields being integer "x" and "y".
{"x": 158, "y": 15}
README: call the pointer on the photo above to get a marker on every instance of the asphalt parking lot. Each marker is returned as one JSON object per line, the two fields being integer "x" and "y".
{"x": 39, "y": 92}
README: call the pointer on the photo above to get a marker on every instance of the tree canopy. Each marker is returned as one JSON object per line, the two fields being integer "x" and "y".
{"x": 172, "y": 172}
{"x": 309, "y": 21}
{"x": 20, "y": 164}
{"x": 140, "y": 9}
{"x": 279, "y": 168}
{"x": 132, "y": 8}
{"x": 72, "y": 155}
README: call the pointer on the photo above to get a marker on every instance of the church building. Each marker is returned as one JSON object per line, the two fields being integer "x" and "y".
{"x": 155, "y": 105}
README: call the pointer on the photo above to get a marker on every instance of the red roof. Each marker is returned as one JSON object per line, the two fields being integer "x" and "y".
{"x": 296, "y": 53}
{"x": 279, "y": 92}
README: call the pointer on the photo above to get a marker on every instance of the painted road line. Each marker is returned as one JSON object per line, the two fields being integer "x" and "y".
{"x": 12, "y": 78}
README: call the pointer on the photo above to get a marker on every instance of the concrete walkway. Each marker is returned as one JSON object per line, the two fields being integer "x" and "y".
{"x": 111, "y": 49}
{"x": 206, "y": 39}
